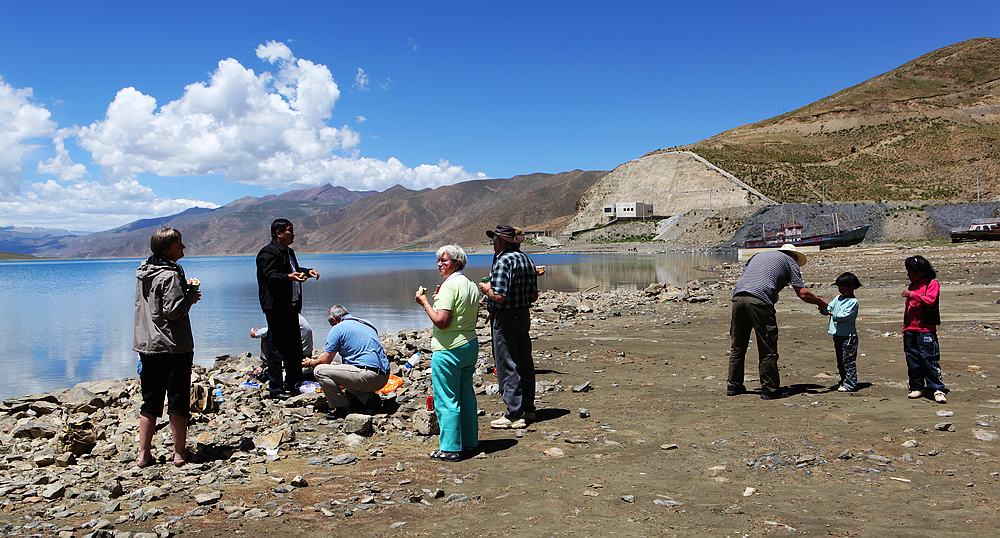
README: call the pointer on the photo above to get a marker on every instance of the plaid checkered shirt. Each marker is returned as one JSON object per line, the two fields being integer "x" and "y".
{"x": 513, "y": 277}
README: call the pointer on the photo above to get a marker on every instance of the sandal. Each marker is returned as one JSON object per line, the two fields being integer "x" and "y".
{"x": 442, "y": 455}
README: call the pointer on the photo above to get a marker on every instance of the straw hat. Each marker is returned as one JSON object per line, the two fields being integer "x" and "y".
{"x": 800, "y": 257}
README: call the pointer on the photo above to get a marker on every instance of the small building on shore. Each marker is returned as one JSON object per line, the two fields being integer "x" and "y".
{"x": 627, "y": 210}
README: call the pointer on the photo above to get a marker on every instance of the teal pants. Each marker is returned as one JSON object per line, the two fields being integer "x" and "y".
{"x": 455, "y": 397}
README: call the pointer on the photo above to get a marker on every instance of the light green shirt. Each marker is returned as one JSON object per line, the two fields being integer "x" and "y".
{"x": 461, "y": 296}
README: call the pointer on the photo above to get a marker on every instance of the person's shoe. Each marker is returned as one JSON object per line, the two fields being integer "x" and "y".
{"x": 843, "y": 389}
{"x": 939, "y": 397}
{"x": 914, "y": 394}
{"x": 769, "y": 395}
{"x": 442, "y": 455}
{"x": 504, "y": 423}
{"x": 735, "y": 390}
{"x": 278, "y": 396}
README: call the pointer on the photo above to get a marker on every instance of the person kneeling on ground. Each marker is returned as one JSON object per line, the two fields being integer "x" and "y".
{"x": 364, "y": 368}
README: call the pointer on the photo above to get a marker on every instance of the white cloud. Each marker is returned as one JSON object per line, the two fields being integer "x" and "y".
{"x": 61, "y": 165}
{"x": 268, "y": 129}
{"x": 89, "y": 205}
{"x": 361, "y": 80}
{"x": 73, "y": 202}
{"x": 359, "y": 119}
{"x": 272, "y": 51}
{"x": 21, "y": 122}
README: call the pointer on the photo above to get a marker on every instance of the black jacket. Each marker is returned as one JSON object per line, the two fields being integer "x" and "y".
{"x": 273, "y": 287}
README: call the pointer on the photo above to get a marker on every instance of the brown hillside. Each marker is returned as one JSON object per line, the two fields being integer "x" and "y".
{"x": 922, "y": 131}
{"x": 455, "y": 213}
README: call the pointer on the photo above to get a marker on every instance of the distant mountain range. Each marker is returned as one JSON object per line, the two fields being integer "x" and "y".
{"x": 331, "y": 219}
{"x": 27, "y": 240}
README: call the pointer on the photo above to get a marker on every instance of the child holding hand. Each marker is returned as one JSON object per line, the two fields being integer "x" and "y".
{"x": 843, "y": 311}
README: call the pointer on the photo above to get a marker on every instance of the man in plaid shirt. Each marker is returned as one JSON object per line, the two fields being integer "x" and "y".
{"x": 513, "y": 286}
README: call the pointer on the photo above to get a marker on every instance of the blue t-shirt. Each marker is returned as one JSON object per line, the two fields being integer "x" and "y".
{"x": 843, "y": 311}
{"x": 357, "y": 344}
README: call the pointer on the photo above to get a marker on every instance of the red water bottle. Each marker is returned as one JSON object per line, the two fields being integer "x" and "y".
{"x": 430, "y": 402}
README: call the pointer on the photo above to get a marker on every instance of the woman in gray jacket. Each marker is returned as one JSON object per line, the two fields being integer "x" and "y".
{"x": 163, "y": 297}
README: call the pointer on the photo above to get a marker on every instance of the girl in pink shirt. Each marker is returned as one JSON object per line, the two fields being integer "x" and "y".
{"x": 921, "y": 316}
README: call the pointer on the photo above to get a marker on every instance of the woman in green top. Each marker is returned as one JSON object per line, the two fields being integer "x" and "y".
{"x": 455, "y": 350}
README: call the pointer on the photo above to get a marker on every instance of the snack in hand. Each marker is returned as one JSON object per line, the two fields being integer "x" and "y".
{"x": 195, "y": 284}
{"x": 421, "y": 291}
{"x": 539, "y": 270}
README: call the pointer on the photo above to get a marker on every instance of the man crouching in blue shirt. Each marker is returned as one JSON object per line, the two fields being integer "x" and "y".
{"x": 363, "y": 369}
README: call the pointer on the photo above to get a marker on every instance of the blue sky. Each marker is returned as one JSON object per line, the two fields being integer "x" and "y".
{"x": 494, "y": 89}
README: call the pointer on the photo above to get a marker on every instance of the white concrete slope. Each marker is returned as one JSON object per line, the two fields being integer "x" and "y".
{"x": 673, "y": 181}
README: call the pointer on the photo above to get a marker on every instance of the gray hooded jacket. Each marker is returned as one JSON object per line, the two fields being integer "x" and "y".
{"x": 162, "y": 302}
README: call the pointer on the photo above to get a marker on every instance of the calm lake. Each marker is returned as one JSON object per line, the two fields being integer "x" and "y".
{"x": 67, "y": 321}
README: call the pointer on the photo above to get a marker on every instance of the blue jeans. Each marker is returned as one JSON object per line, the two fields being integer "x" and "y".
{"x": 923, "y": 361}
{"x": 846, "y": 348}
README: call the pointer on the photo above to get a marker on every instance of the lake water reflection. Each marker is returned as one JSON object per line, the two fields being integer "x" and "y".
{"x": 66, "y": 321}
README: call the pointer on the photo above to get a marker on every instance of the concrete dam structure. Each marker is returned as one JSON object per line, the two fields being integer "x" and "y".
{"x": 673, "y": 181}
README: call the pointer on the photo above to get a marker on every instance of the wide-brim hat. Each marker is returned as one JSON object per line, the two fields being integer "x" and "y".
{"x": 507, "y": 233}
{"x": 800, "y": 257}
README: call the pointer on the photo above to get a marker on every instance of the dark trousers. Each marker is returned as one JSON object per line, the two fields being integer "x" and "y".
{"x": 846, "y": 348}
{"x": 165, "y": 374}
{"x": 512, "y": 355}
{"x": 923, "y": 360}
{"x": 750, "y": 313}
{"x": 284, "y": 349}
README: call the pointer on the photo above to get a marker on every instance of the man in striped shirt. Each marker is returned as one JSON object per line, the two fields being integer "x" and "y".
{"x": 513, "y": 286}
{"x": 764, "y": 276}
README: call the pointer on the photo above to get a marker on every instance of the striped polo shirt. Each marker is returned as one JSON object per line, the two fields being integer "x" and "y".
{"x": 767, "y": 273}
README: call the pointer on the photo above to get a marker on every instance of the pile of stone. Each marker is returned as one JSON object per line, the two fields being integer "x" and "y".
{"x": 71, "y": 453}
{"x": 694, "y": 291}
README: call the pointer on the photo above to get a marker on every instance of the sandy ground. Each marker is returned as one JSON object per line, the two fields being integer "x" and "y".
{"x": 658, "y": 379}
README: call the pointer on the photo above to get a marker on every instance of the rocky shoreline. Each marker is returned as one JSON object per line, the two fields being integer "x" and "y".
{"x": 633, "y": 436}
{"x": 74, "y": 450}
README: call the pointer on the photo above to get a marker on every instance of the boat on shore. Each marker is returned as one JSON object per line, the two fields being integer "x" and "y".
{"x": 792, "y": 234}
{"x": 978, "y": 230}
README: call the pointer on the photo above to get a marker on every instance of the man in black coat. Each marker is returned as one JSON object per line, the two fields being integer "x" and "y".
{"x": 279, "y": 285}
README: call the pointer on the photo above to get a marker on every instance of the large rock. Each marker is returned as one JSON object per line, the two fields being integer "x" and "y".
{"x": 275, "y": 438}
{"x": 425, "y": 422}
{"x": 81, "y": 400}
{"x": 79, "y": 437}
{"x": 113, "y": 389}
{"x": 315, "y": 399}
{"x": 358, "y": 424}
{"x": 54, "y": 491}
{"x": 36, "y": 429}
{"x": 43, "y": 407}
{"x": 204, "y": 496}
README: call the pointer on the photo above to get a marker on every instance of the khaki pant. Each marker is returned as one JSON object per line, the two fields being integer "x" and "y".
{"x": 358, "y": 381}
{"x": 753, "y": 314}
